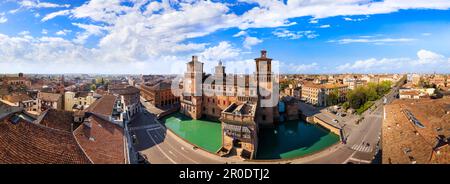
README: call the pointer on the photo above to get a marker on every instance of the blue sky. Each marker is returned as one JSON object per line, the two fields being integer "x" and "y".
{"x": 143, "y": 37}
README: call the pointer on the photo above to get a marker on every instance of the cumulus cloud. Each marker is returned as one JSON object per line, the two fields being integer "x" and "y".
{"x": 144, "y": 32}
{"x": 251, "y": 41}
{"x": 277, "y": 13}
{"x": 325, "y": 26}
{"x": 224, "y": 50}
{"x": 426, "y": 56}
{"x": 89, "y": 30}
{"x": 426, "y": 61}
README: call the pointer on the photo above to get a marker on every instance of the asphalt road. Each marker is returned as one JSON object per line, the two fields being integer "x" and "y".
{"x": 161, "y": 146}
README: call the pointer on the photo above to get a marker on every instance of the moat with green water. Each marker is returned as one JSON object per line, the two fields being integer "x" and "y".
{"x": 287, "y": 140}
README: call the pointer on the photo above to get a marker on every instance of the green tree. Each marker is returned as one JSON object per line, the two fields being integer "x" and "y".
{"x": 346, "y": 105}
{"x": 93, "y": 87}
{"x": 357, "y": 97}
{"x": 333, "y": 97}
{"x": 371, "y": 93}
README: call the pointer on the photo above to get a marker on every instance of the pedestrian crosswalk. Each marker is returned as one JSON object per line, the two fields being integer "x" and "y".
{"x": 362, "y": 148}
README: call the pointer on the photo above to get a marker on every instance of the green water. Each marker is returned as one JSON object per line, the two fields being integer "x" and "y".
{"x": 202, "y": 133}
{"x": 287, "y": 140}
{"x": 293, "y": 139}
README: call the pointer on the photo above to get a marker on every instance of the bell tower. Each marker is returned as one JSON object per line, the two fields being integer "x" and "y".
{"x": 191, "y": 98}
{"x": 266, "y": 108}
{"x": 264, "y": 71}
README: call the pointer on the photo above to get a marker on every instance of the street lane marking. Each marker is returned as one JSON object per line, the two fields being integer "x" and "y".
{"x": 359, "y": 160}
{"x": 157, "y": 146}
{"x": 362, "y": 148}
{"x": 158, "y": 134}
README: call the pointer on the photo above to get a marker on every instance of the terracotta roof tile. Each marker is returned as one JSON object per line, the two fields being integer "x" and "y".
{"x": 103, "y": 106}
{"x": 28, "y": 143}
{"x": 61, "y": 120}
{"x": 404, "y": 142}
{"x": 102, "y": 141}
{"x": 51, "y": 97}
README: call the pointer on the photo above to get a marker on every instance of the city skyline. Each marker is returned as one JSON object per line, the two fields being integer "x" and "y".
{"x": 147, "y": 37}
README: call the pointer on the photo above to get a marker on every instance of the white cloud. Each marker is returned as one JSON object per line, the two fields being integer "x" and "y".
{"x": 44, "y": 31}
{"x": 426, "y": 34}
{"x": 63, "y": 32}
{"x": 3, "y": 19}
{"x": 24, "y": 33}
{"x": 101, "y": 10}
{"x": 313, "y": 21}
{"x": 251, "y": 41}
{"x": 373, "y": 64}
{"x": 284, "y": 33}
{"x": 240, "y": 33}
{"x": 277, "y": 13}
{"x": 428, "y": 57}
{"x": 55, "y": 14}
{"x": 372, "y": 39}
{"x": 325, "y": 26}
{"x": 151, "y": 34}
{"x": 89, "y": 30}
{"x": 222, "y": 51}
{"x": 426, "y": 61}
{"x": 355, "y": 19}
{"x": 38, "y": 4}
{"x": 13, "y": 11}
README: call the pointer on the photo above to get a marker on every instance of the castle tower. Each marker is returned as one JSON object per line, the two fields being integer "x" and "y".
{"x": 219, "y": 70}
{"x": 266, "y": 108}
{"x": 191, "y": 99}
{"x": 220, "y": 78}
{"x": 264, "y": 71}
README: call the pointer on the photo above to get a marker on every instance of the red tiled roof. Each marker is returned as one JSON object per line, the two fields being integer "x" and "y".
{"x": 128, "y": 90}
{"x": 404, "y": 142}
{"x": 28, "y": 143}
{"x": 103, "y": 141}
{"x": 103, "y": 106}
{"x": 17, "y": 97}
{"x": 50, "y": 97}
{"x": 61, "y": 120}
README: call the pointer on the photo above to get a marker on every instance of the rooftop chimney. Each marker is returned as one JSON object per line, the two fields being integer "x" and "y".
{"x": 194, "y": 58}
